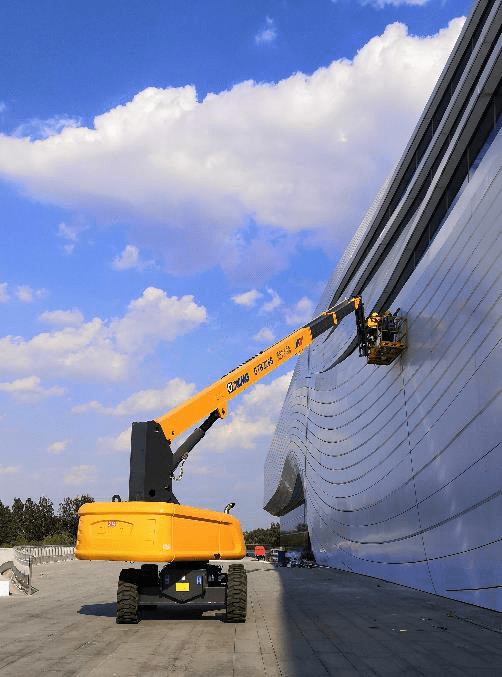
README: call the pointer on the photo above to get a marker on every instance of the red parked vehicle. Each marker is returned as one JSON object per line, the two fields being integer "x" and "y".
{"x": 259, "y": 552}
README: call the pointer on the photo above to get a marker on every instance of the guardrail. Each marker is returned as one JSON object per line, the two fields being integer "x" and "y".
{"x": 26, "y": 556}
{"x": 40, "y": 554}
{"x": 22, "y": 570}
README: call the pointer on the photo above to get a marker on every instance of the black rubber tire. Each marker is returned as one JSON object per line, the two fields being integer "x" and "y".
{"x": 236, "y": 594}
{"x": 128, "y": 596}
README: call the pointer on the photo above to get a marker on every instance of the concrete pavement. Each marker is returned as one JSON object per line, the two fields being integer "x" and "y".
{"x": 300, "y": 622}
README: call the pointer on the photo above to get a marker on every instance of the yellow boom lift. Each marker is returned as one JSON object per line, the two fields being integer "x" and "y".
{"x": 151, "y": 527}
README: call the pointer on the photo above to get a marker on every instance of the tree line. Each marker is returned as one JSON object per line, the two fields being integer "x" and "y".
{"x": 270, "y": 536}
{"x": 36, "y": 523}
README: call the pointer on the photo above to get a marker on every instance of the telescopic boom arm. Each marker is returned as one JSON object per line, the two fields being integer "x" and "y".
{"x": 215, "y": 397}
{"x": 152, "y": 460}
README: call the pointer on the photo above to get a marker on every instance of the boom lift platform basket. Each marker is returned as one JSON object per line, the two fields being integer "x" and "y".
{"x": 386, "y": 351}
{"x": 381, "y": 338}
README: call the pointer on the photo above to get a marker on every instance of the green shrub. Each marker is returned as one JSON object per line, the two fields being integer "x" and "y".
{"x": 61, "y": 538}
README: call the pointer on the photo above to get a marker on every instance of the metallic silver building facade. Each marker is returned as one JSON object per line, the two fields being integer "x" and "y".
{"x": 397, "y": 470}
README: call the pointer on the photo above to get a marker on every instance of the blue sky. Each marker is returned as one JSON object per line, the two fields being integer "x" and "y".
{"x": 177, "y": 182}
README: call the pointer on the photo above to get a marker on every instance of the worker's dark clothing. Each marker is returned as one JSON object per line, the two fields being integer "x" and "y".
{"x": 388, "y": 328}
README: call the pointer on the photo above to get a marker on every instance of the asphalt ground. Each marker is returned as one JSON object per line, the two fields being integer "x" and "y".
{"x": 301, "y": 622}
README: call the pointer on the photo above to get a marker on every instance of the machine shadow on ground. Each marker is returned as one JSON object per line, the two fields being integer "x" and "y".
{"x": 109, "y": 610}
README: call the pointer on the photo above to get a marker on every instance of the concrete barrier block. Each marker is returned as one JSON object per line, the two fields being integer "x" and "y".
{"x": 4, "y": 588}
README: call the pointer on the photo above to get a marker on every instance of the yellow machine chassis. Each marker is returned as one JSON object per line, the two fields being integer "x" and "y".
{"x": 140, "y": 531}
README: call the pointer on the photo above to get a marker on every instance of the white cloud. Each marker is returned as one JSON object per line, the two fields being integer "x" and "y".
{"x": 380, "y": 4}
{"x": 304, "y": 155}
{"x": 4, "y": 295}
{"x": 23, "y": 293}
{"x": 301, "y": 312}
{"x": 120, "y": 443}
{"x": 29, "y": 389}
{"x": 86, "y": 352}
{"x": 265, "y": 335}
{"x": 71, "y": 234}
{"x": 9, "y": 469}
{"x": 3, "y": 106}
{"x": 153, "y": 400}
{"x": 252, "y": 420}
{"x": 129, "y": 259}
{"x": 104, "y": 350}
{"x": 156, "y": 317}
{"x": 80, "y": 475}
{"x": 26, "y": 294}
{"x": 36, "y": 128}
{"x": 62, "y": 317}
{"x": 275, "y": 301}
{"x": 267, "y": 34}
{"x": 68, "y": 232}
{"x": 248, "y": 298}
{"x": 57, "y": 448}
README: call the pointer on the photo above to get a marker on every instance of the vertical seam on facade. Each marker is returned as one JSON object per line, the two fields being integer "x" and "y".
{"x": 410, "y": 451}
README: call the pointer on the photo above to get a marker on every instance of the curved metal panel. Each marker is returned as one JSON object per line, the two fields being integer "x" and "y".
{"x": 401, "y": 466}
{"x": 289, "y": 493}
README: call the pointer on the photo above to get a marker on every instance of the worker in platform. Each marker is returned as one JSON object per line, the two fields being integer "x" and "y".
{"x": 388, "y": 326}
{"x": 372, "y": 324}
